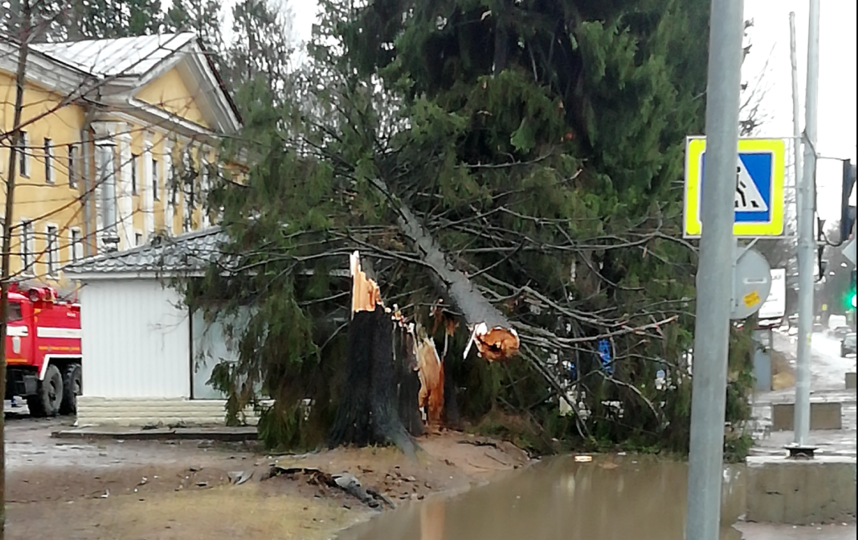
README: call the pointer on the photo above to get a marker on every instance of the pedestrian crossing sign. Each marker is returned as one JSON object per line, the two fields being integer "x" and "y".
{"x": 759, "y": 196}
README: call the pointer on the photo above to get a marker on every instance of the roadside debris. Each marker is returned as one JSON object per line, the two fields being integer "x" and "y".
{"x": 345, "y": 482}
{"x": 239, "y": 477}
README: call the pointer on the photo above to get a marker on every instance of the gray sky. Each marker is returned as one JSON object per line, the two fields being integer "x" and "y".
{"x": 837, "y": 77}
{"x": 770, "y": 38}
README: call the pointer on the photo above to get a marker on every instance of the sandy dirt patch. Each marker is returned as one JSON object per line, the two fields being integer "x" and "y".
{"x": 80, "y": 490}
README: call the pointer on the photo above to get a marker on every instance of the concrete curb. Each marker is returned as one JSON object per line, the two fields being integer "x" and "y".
{"x": 223, "y": 434}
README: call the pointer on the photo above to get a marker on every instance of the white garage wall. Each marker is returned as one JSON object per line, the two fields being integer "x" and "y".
{"x": 135, "y": 340}
{"x": 214, "y": 342}
{"x": 211, "y": 346}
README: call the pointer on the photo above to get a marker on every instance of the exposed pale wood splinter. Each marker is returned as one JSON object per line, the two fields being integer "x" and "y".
{"x": 365, "y": 292}
{"x": 431, "y": 373}
{"x": 496, "y": 344}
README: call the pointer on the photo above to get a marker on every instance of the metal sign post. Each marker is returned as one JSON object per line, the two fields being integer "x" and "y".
{"x": 806, "y": 238}
{"x": 714, "y": 274}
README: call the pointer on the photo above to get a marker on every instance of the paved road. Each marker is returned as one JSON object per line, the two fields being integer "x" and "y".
{"x": 828, "y": 373}
{"x": 764, "y": 531}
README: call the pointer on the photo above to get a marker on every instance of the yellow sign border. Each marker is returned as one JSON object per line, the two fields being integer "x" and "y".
{"x": 694, "y": 148}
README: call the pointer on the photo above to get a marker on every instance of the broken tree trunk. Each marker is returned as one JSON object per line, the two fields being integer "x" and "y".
{"x": 492, "y": 333}
{"x": 367, "y": 412}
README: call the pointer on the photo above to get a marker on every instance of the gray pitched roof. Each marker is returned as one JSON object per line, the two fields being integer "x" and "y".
{"x": 189, "y": 252}
{"x": 129, "y": 56}
{"x": 129, "y": 61}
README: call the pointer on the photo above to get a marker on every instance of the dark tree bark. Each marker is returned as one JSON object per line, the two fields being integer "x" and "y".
{"x": 501, "y": 38}
{"x": 367, "y": 412}
{"x": 408, "y": 385}
{"x": 451, "y": 404}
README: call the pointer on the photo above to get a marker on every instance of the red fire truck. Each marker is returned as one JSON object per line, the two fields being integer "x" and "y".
{"x": 43, "y": 351}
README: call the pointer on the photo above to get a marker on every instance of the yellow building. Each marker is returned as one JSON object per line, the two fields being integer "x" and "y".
{"x": 119, "y": 145}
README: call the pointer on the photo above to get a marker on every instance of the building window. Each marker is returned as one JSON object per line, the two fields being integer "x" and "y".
{"x": 27, "y": 247}
{"x": 72, "y": 166}
{"x": 49, "y": 161}
{"x": 76, "y": 245}
{"x": 155, "y": 182}
{"x": 190, "y": 203}
{"x": 51, "y": 249}
{"x": 23, "y": 154}
{"x": 138, "y": 239}
{"x": 134, "y": 164}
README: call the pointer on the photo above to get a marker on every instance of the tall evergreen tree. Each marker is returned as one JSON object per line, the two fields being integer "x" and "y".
{"x": 523, "y": 154}
{"x": 100, "y": 19}
{"x": 261, "y": 47}
{"x": 67, "y": 20}
{"x": 202, "y": 17}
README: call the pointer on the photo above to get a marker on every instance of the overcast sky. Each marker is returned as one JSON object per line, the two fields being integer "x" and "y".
{"x": 837, "y": 123}
{"x": 770, "y": 38}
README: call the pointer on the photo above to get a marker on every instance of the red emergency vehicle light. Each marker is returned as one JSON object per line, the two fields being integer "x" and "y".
{"x": 42, "y": 294}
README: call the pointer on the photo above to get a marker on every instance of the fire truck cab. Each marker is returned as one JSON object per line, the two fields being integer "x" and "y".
{"x": 43, "y": 351}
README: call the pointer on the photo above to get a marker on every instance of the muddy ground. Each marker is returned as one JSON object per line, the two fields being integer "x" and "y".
{"x": 151, "y": 490}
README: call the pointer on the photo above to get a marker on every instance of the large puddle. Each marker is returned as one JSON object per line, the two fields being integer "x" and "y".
{"x": 610, "y": 498}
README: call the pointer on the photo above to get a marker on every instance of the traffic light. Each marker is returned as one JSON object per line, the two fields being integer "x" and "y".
{"x": 847, "y": 211}
{"x": 850, "y": 299}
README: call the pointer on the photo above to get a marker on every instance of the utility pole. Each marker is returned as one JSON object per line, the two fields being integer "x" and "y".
{"x": 5, "y": 273}
{"x": 796, "y": 106}
{"x": 715, "y": 272}
{"x": 806, "y": 239}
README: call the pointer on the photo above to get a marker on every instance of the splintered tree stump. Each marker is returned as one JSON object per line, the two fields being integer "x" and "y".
{"x": 367, "y": 412}
{"x": 366, "y": 295}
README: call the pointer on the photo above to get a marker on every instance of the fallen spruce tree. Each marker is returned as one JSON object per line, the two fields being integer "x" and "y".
{"x": 518, "y": 163}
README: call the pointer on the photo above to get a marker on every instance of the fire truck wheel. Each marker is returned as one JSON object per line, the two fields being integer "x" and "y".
{"x": 49, "y": 396}
{"x": 71, "y": 389}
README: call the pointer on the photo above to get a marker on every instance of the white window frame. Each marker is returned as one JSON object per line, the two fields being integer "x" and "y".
{"x": 156, "y": 179}
{"x": 52, "y": 251}
{"x": 135, "y": 174}
{"x": 187, "y": 199}
{"x": 145, "y": 187}
{"x": 48, "y": 149}
{"x": 28, "y": 247}
{"x": 205, "y": 182}
{"x": 24, "y": 155}
{"x": 169, "y": 189}
{"x": 75, "y": 243}
{"x": 220, "y": 210}
{"x": 72, "y": 164}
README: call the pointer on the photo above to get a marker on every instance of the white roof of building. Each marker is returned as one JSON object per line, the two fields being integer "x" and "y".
{"x": 130, "y": 56}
